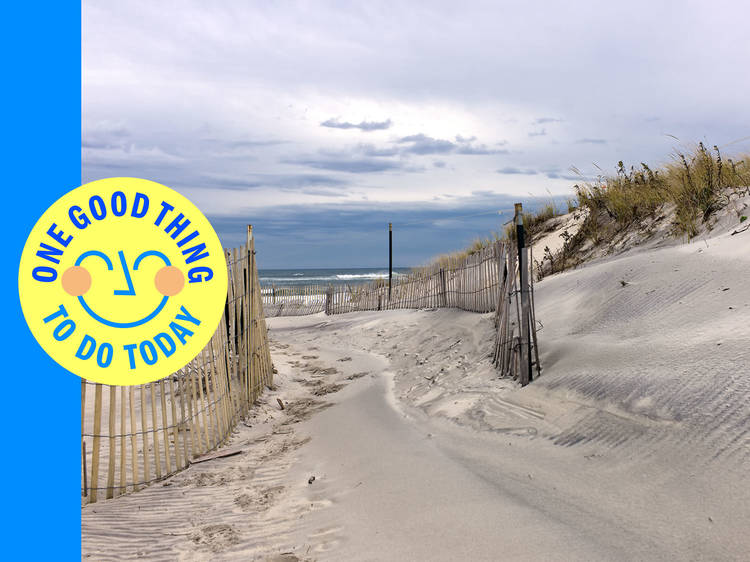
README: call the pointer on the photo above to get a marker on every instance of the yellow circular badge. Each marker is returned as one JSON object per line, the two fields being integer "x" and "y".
{"x": 123, "y": 281}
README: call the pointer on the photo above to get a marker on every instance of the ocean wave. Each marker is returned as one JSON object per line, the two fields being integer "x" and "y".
{"x": 363, "y": 275}
{"x": 337, "y": 277}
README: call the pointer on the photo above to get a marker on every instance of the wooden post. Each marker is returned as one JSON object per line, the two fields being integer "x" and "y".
{"x": 329, "y": 300}
{"x": 85, "y": 482}
{"x": 83, "y": 441}
{"x": 165, "y": 427}
{"x": 112, "y": 451}
{"x": 123, "y": 448}
{"x": 526, "y": 317}
{"x": 523, "y": 268}
{"x": 155, "y": 426}
{"x": 533, "y": 314}
{"x": 188, "y": 390}
{"x": 133, "y": 439}
{"x": 250, "y": 320}
{"x": 96, "y": 442}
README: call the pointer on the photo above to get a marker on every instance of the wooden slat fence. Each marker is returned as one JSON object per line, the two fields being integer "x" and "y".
{"x": 296, "y": 300}
{"x": 469, "y": 283}
{"x": 491, "y": 279}
{"x": 132, "y": 436}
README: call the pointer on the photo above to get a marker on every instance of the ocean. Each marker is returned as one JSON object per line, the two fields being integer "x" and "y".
{"x": 350, "y": 276}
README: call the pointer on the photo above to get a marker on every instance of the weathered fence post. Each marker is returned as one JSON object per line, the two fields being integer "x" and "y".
{"x": 329, "y": 300}
{"x": 443, "y": 287}
{"x": 533, "y": 314}
{"x": 525, "y": 318}
{"x": 85, "y": 491}
{"x": 250, "y": 315}
{"x": 523, "y": 269}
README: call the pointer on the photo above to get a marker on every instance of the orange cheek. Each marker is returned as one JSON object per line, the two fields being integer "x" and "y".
{"x": 76, "y": 281}
{"x": 169, "y": 281}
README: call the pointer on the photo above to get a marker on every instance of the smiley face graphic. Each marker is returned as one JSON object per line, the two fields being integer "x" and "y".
{"x": 123, "y": 281}
{"x": 169, "y": 281}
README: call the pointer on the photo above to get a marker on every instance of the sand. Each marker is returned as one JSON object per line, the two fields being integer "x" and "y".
{"x": 633, "y": 445}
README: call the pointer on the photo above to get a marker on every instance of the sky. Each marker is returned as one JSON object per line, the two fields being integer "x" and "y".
{"x": 320, "y": 122}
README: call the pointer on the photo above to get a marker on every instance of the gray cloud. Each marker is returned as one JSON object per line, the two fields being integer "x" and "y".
{"x": 282, "y": 181}
{"x": 324, "y": 192}
{"x": 423, "y": 144}
{"x": 352, "y": 166}
{"x": 478, "y": 150}
{"x": 105, "y": 135}
{"x": 366, "y": 158}
{"x": 556, "y": 174}
{"x": 511, "y": 171}
{"x": 362, "y": 126}
{"x": 539, "y": 133}
{"x": 97, "y": 143}
{"x": 591, "y": 141}
{"x": 242, "y": 143}
{"x": 543, "y": 120}
{"x": 372, "y": 150}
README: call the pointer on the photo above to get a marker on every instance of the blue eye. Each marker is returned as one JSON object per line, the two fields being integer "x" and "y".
{"x": 144, "y": 255}
{"x": 97, "y": 254}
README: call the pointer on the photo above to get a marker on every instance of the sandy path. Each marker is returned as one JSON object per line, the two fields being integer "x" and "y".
{"x": 465, "y": 469}
{"x": 397, "y": 495}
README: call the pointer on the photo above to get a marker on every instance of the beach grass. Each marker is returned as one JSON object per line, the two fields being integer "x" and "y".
{"x": 694, "y": 182}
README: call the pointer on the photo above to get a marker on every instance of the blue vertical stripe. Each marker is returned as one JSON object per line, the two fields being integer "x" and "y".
{"x": 40, "y": 405}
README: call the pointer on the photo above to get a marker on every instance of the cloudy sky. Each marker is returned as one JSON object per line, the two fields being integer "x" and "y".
{"x": 320, "y": 122}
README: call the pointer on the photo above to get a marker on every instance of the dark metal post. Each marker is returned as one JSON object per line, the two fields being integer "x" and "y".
{"x": 390, "y": 258}
{"x": 519, "y": 229}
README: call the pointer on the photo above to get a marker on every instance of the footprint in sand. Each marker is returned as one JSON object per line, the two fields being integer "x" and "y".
{"x": 216, "y": 537}
{"x": 327, "y": 389}
{"x": 260, "y": 499}
{"x": 326, "y": 539}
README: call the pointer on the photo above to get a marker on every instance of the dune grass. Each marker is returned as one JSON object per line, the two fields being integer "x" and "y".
{"x": 695, "y": 182}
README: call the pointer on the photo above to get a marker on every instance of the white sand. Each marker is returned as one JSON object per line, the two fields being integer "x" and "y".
{"x": 634, "y": 444}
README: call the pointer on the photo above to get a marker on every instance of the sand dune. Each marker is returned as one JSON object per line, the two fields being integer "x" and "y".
{"x": 633, "y": 445}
